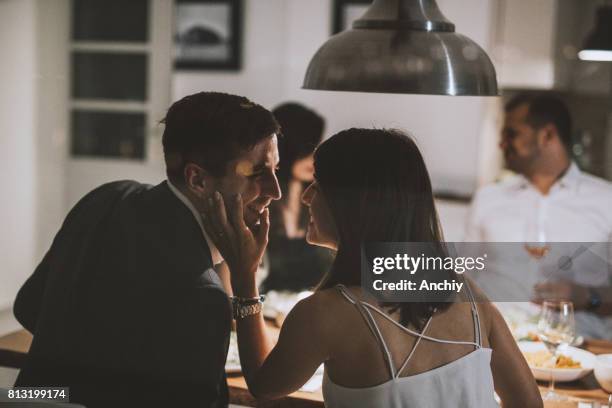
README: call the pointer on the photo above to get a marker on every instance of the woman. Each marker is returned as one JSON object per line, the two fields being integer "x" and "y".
{"x": 292, "y": 263}
{"x": 371, "y": 185}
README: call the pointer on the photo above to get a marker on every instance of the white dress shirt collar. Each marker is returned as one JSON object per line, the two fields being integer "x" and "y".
{"x": 214, "y": 251}
{"x": 570, "y": 179}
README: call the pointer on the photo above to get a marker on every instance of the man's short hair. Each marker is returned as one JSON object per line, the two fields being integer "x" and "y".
{"x": 546, "y": 109}
{"x": 211, "y": 129}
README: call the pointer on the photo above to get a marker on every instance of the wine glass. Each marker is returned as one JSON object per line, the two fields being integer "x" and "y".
{"x": 535, "y": 240}
{"x": 556, "y": 327}
{"x": 537, "y": 248}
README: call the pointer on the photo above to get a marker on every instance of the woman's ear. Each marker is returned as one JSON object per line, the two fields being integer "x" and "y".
{"x": 197, "y": 180}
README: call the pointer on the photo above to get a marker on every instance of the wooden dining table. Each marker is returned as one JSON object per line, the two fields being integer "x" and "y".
{"x": 14, "y": 348}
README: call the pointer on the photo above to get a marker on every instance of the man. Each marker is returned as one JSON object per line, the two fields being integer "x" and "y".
{"x": 126, "y": 308}
{"x": 551, "y": 203}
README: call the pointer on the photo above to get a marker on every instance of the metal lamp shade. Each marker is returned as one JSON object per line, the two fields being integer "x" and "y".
{"x": 598, "y": 45}
{"x": 416, "y": 54}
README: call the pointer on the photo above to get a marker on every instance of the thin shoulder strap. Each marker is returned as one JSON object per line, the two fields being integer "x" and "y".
{"x": 369, "y": 319}
{"x": 414, "y": 347}
{"x": 475, "y": 316}
{"x": 344, "y": 291}
{"x": 417, "y": 334}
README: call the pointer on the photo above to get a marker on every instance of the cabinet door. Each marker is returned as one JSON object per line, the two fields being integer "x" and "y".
{"x": 120, "y": 63}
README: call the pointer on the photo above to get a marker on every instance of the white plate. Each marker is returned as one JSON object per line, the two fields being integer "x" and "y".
{"x": 586, "y": 359}
{"x": 522, "y": 331}
{"x": 232, "y": 364}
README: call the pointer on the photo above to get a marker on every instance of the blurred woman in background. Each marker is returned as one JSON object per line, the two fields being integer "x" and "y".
{"x": 293, "y": 264}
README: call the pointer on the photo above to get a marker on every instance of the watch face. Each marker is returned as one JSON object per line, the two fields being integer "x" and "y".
{"x": 595, "y": 300}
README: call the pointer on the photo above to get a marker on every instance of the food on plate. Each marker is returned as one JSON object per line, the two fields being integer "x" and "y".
{"x": 544, "y": 359}
{"x": 530, "y": 336}
{"x": 540, "y": 358}
{"x": 567, "y": 362}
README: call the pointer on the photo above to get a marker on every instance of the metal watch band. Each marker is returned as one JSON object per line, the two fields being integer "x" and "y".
{"x": 248, "y": 301}
{"x": 242, "y": 311}
{"x": 244, "y": 307}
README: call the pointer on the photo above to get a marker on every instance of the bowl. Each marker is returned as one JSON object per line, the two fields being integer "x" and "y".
{"x": 586, "y": 359}
{"x": 603, "y": 371}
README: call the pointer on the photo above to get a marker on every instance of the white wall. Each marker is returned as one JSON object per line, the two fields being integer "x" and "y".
{"x": 18, "y": 150}
{"x": 261, "y": 77}
{"x": 33, "y": 133}
{"x": 525, "y": 43}
{"x": 453, "y": 216}
{"x": 283, "y": 35}
{"x": 52, "y": 86}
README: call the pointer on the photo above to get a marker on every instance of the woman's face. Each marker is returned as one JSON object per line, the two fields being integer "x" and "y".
{"x": 303, "y": 169}
{"x": 321, "y": 228}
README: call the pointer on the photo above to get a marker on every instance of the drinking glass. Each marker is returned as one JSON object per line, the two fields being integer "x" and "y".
{"x": 556, "y": 327}
{"x": 535, "y": 240}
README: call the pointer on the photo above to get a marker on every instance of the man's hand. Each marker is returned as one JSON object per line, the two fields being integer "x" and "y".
{"x": 563, "y": 290}
{"x": 241, "y": 247}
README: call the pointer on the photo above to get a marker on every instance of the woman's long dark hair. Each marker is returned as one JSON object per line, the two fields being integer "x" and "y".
{"x": 378, "y": 189}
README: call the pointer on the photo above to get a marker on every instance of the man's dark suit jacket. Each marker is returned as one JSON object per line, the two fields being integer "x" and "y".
{"x": 125, "y": 308}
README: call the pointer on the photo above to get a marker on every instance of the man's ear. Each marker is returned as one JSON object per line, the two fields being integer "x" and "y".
{"x": 197, "y": 180}
{"x": 547, "y": 134}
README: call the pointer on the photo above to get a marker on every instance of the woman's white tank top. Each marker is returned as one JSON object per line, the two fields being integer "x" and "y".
{"x": 465, "y": 382}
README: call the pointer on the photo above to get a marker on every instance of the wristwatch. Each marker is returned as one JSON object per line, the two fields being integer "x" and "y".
{"x": 594, "y": 300}
{"x": 244, "y": 307}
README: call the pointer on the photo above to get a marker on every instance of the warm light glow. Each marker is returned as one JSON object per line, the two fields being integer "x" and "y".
{"x": 595, "y": 55}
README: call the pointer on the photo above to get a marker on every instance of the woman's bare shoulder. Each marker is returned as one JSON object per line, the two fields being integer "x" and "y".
{"x": 322, "y": 311}
{"x": 490, "y": 315}
{"x": 321, "y": 302}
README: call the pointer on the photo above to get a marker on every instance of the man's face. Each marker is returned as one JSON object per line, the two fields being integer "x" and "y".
{"x": 519, "y": 141}
{"x": 252, "y": 174}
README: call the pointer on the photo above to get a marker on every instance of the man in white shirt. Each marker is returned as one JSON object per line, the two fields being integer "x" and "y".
{"x": 548, "y": 202}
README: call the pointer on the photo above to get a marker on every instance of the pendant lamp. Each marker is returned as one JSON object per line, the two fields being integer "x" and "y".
{"x": 598, "y": 44}
{"x": 406, "y": 47}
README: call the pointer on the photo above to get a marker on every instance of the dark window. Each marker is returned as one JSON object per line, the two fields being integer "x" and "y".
{"x": 98, "y": 75}
{"x": 110, "y": 20}
{"x": 108, "y": 134}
